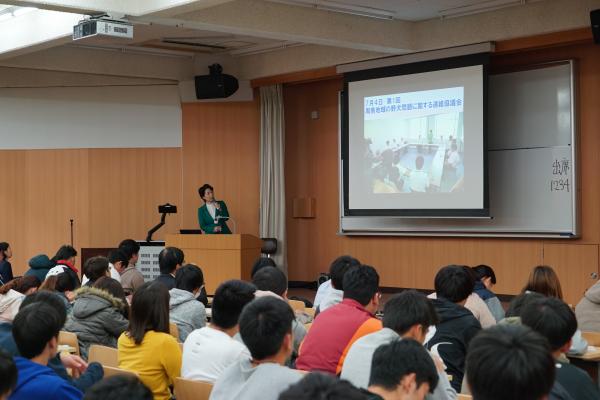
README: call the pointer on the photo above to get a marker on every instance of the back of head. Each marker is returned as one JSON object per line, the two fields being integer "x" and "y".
{"x": 509, "y": 362}
{"x": 338, "y": 269}
{"x": 551, "y": 318}
{"x": 543, "y": 280}
{"x": 260, "y": 263}
{"x": 361, "y": 284}
{"x": 519, "y": 302}
{"x": 130, "y": 247}
{"x": 119, "y": 387}
{"x": 189, "y": 278}
{"x": 95, "y": 267}
{"x": 264, "y": 323}
{"x": 50, "y": 299}
{"x": 112, "y": 286}
{"x": 322, "y": 386}
{"x": 169, "y": 258}
{"x": 149, "y": 310}
{"x": 483, "y": 271}
{"x": 406, "y": 309}
{"x": 34, "y": 326}
{"x": 271, "y": 279}
{"x": 8, "y": 372}
{"x": 21, "y": 284}
{"x": 64, "y": 253}
{"x": 228, "y": 302}
{"x": 118, "y": 256}
{"x": 454, "y": 283}
{"x": 60, "y": 282}
{"x": 392, "y": 361}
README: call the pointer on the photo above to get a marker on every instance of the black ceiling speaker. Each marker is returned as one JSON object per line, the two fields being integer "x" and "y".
{"x": 216, "y": 85}
{"x": 595, "y": 17}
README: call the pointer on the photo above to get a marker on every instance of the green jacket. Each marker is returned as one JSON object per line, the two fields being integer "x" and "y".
{"x": 207, "y": 223}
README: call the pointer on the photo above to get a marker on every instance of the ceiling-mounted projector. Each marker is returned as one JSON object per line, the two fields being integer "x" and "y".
{"x": 103, "y": 26}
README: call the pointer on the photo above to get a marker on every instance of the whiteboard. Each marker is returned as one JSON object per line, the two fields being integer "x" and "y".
{"x": 532, "y": 164}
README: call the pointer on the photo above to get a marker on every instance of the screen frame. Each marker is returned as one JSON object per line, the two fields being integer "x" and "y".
{"x": 482, "y": 59}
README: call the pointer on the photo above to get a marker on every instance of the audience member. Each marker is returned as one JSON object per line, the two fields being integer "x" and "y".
{"x": 119, "y": 387}
{"x": 266, "y": 329}
{"x": 185, "y": 311}
{"x": 131, "y": 278}
{"x": 485, "y": 281}
{"x": 543, "y": 280}
{"x": 8, "y": 372}
{"x": 588, "y": 310}
{"x": 98, "y": 316}
{"x": 407, "y": 315}
{"x": 337, "y": 328}
{"x": 509, "y": 362}
{"x": 402, "y": 370}
{"x": 13, "y": 293}
{"x": 208, "y": 351}
{"x": 118, "y": 262}
{"x": 262, "y": 262}
{"x": 6, "y": 274}
{"x": 554, "y": 319}
{"x": 66, "y": 257}
{"x": 94, "y": 269}
{"x": 35, "y": 331}
{"x": 513, "y": 314}
{"x": 324, "y": 387}
{"x": 60, "y": 282}
{"x": 457, "y": 325}
{"x": 170, "y": 260}
{"x": 331, "y": 292}
{"x": 39, "y": 266}
{"x": 147, "y": 347}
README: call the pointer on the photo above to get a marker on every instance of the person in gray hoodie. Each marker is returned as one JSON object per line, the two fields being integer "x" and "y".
{"x": 99, "y": 314}
{"x": 184, "y": 309}
{"x": 588, "y": 310}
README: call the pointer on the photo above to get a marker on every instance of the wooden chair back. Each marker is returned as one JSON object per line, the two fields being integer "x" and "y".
{"x": 69, "y": 339}
{"x": 297, "y": 305}
{"x": 186, "y": 389}
{"x": 174, "y": 330}
{"x": 593, "y": 338}
{"x": 107, "y": 356}
{"x": 112, "y": 371}
{"x": 464, "y": 397}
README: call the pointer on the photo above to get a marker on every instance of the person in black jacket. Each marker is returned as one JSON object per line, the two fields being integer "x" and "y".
{"x": 457, "y": 325}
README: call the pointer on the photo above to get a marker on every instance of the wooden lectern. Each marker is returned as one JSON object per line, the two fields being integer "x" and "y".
{"x": 221, "y": 257}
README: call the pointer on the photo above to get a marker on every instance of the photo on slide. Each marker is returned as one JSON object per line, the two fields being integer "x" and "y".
{"x": 414, "y": 142}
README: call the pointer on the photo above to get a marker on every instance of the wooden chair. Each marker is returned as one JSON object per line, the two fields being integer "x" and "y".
{"x": 69, "y": 339}
{"x": 174, "y": 330}
{"x": 297, "y": 305}
{"x": 112, "y": 371}
{"x": 593, "y": 338}
{"x": 464, "y": 397}
{"x": 186, "y": 389}
{"x": 107, "y": 356}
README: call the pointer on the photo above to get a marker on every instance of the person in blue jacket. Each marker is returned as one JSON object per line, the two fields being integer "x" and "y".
{"x": 6, "y": 274}
{"x": 213, "y": 214}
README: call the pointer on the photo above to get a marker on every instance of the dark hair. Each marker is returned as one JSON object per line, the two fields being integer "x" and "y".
{"x": 543, "y": 280}
{"x": 406, "y": 309}
{"x": 338, "y": 269}
{"x": 130, "y": 247}
{"x": 49, "y": 298}
{"x": 189, "y": 278}
{"x": 169, "y": 258}
{"x": 323, "y": 387}
{"x": 34, "y": 326}
{"x": 361, "y": 284}
{"x": 419, "y": 161}
{"x": 399, "y": 358}
{"x": 95, "y": 267}
{"x": 552, "y": 318}
{"x": 271, "y": 279}
{"x": 202, "y": 190}
{"x": 454, "y": 283}
{"x": 228, "y": 302}
{"x": 21, "y": 284}
{"x": 149, "y": 311}
{"x": 3, "y": 247}
{"x": 520, "y": 301}
{"x": 113, "y": 287}
{"x": 483, "y": 271}
{"x": 118, "y": 256}
{"x": 64, "y": 253}
{"x": 119, "y": 387}
{"x": 260, "y": 263}
{"x": 8, "y": 372}
{"x": 509, "y": 362}
{"x": 59, "y": 283}
{"x": 264, "y": 323}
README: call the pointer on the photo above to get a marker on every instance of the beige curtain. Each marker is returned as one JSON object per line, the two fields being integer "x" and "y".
{"x": 272, "y": 177}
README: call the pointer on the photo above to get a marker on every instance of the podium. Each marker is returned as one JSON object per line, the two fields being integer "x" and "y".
{"x": 221, "y": 257}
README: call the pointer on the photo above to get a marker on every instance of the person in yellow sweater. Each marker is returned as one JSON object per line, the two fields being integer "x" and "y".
{"x": 147, "y": 347}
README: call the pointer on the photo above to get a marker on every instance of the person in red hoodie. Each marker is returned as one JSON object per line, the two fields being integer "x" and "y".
{"x": 335, "y": 330}
{"x": 66, "y": 256}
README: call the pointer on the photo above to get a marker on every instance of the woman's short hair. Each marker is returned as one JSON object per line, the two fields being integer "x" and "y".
{"x": 543, "y": 280}
{"x": 202, "y": 190}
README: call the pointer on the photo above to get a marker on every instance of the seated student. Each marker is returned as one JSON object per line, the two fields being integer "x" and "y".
{"x": 170, "y": 259}
{"x": 117, "y": 264}
{"x": 60, "y": 282}
{"x": 407, "y": 315}
{"x": 337, "y": 328}
{"x": 208, "y": 351}
{"x": 8, "y": 372}
{"x": 184, "y": 310}
{"x": 147, "y": 347}
{"x": 260, "y": 263}
{"x": 271, "y": 279}
{"x": 65, "y": 257}
{"x": 131, "y": 278}
{"x": 322, "y": 386}
{"x": 94, "y": 269}
{"x": 554, "y": 319}
{"x": 543, "y": 280}
{"x": 509, "y": 362}
{"x": 457, "y": 325}
{"x": 35, "y": 331}
{"x": 588, "y": 309}
{"x": 99, "y": 314}
{"x": 13, "y": 293}
{"x": 332, "y": 291}
{"x": 418, "y": 181}
{"x": 486, "y": 279}
{"x": 402, "y": 370}
{"x": 39, "y": 266}
{"x": 6, "y": 273}
{"x": 266, "y": 329}
{"x": 119, "y": 387}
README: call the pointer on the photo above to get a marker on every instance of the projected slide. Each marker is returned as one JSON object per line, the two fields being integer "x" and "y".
{"x": 414, "y": 141}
